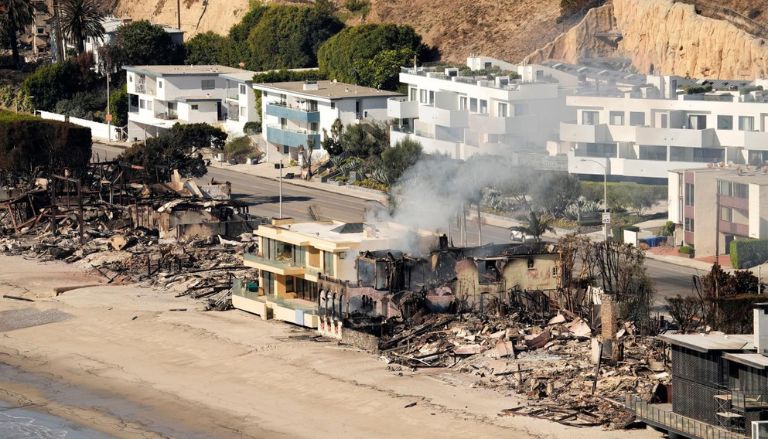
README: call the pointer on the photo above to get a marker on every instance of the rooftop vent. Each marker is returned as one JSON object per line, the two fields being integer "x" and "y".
{"x": 310, "y": 85}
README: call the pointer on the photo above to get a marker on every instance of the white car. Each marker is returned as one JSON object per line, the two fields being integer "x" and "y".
{"x": 518, "y": 236}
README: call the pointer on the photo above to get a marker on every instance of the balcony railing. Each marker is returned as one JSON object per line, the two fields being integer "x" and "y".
{"x": 285, "y": 268}
{"x": 144, "y": 88}
{"x": 297, "y": 114}
{"x": 292, "y": 137}
{"x": 660, "y": 417}
{"x": 169, "y": 115}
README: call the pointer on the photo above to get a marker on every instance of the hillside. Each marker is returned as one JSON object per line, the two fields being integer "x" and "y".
{"x": 669, "y": 37}
{"x": 713, "y": 38}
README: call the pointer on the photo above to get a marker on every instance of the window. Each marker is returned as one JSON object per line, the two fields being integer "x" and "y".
{"x": 725, "y": 188}
{"x": 159, "y": 83}
{"x": 724, "y": 122}
{"x": 313, "y": 127}
{"x": 636, "y": 118}
{"x": 689, "y": 224}
{"x": 697, "y": 122}
{"x": 601, "y": 150}
{"x": 268, "y": 283}
{"x": 726, "y": 214}
{"x": 414, "y": 94}
{"x": 555, "y": 271}
{"x": 208, "y": 84}
{"x": 463, "y": 103}
{"x": 758, "y": 158}
{"x": 740, "y": 190}
{"x": 242, "y": 89}
{"x": 699, "y": 155}
{"x": 283, "y": 122}
{"x": 195, "y": 106}
{"x": 689, "y": 194}
{"x": 242, "y": 111}
{"x": 503, "y": 110}
{"x": 312, "y": 105}
{"x": 328, "y": 263}
{"x": 431, "y": 97}
{"x": 333, "y": 105}
{"x": 590, "y": 118}
{"x": 142, "y": 104}
{"x": 299, "y": 256}
{"x": 473, "y": 105}
{"x": 746, "y": 123}
{"x": 130, "y": 77}
{"x": 617, "y": 118}
{"x": 653, "y": 152}
{"x": 483, "y": 106}
{"x": 423, "y": 96}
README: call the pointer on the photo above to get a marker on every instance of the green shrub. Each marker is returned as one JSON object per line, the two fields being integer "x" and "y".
{"x": 50, "y": 84}
{"x": 28, "y": 143}
{"x": 686, "y": 250}
{"x": 746, "y": 253}
{"x": 252, "y": 128}
{"x": 668, "y": 229}
{"x": 118, "y": 107}
{"x": 239, "y": 148}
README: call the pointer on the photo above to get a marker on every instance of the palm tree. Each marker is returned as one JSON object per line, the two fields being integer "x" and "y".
{"x": 81, "y": 19}
{"x": 20, "y": 14}
{"x": 535, "y": 225}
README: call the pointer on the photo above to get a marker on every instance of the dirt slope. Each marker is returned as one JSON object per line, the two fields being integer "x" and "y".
{"x": 685, "y": 37}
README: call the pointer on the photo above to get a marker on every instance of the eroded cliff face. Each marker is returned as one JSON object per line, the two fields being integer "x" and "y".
{"x": 663, "y": 37}
{"x": 218, "y": 16}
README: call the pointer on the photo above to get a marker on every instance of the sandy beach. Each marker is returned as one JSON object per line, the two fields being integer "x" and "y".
{"x": 117, "y": 360}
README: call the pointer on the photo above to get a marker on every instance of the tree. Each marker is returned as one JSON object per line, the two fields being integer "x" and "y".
{"x": 175, "y": 149}
{"x": 400, "y": 157}
{"x": 365, "y": 140}
{"x": 289, "y": 36}
{"x": 52, "y": 83}
{"x": 206, "y": 49}
{"x": 383, "y": 70}
{"x": 198, "y": 135}
{"x": 346, "y": 53}
{"x": 20, "y": 15}
{"x": 118, "y": 106}
{"x": 535, "y": 225}
{"x": 332, "y": 143}
{"x": 143, "y": 43}
{"x": 555, "y": 192}
{"x": 81, "y": 19}
{"x": 685, "y": 311}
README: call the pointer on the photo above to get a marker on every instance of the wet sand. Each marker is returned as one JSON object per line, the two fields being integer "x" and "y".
{"x": 122, "y": 364}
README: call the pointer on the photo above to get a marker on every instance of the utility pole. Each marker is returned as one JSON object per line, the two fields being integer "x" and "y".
{"x": 178, "y": 14}
{"x": 281, "y": 190}
{"x": 59, "y": 38}
{"x": 109, "y": 112}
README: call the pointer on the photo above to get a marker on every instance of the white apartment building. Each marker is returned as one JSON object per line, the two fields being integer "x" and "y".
{"x": 294, "y": 114}
{"x": 161, "y": 96}
{"x": 643, "y": 132}
{"x": 460, "y": 116}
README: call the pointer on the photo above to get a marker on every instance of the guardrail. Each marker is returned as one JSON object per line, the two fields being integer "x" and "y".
{"x": 676, "y": 423}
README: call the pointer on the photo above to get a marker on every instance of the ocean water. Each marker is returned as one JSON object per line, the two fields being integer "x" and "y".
{"x": 23, "y": 423}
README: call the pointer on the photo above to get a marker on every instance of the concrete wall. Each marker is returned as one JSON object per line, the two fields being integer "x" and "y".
{"x": 98, "y": 130}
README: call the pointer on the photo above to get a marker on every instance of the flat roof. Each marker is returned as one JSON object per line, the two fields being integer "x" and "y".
{"x": 758, "y": 361}
{"x": 326, "y": 89}
{"x": 182, "y": 70}
{"x": 710, "y": 342}
{"x": 741, "y": 173}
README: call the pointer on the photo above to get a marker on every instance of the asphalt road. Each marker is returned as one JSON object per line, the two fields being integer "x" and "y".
{"x": 262, "y": 196}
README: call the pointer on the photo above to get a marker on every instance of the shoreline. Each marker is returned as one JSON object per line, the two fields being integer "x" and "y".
{"x": 122, "y": 363}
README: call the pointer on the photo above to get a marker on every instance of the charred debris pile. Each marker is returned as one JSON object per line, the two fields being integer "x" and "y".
{"x": 502, "y": 315}
{"x": 178, "y": 235}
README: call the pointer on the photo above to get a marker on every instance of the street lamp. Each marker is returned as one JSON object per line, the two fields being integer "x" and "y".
{"x": 606, "y": 217}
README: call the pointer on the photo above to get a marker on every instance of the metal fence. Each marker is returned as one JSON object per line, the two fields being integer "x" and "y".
{"x": 666, "y": 419}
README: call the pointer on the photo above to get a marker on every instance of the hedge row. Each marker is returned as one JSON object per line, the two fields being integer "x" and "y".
{"x": 747, "y": 253}
{"x": 28, "y": 142}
